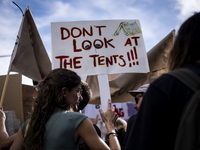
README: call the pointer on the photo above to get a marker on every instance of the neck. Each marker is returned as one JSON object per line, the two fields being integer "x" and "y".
{"x": 58, "y": 108}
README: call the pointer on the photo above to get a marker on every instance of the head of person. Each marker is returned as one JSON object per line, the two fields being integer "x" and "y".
{"x": 120, "y": 126}
{"x": 86, "y": 94}
{"x": 186, "y": 46}
{"x": 138, "y": 95}
{"x": 120, "y": 123}
{"x": 61, "y": 89}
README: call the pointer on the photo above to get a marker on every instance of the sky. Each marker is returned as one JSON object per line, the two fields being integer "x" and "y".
{"x": 157, "y": 19}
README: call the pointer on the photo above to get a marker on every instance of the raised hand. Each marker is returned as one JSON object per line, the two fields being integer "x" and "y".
{"x": 110, "y": 116}
{"x": 94, "y": 121}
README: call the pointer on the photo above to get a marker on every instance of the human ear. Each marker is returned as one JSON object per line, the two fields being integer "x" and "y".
{"x": 64, "y": 91}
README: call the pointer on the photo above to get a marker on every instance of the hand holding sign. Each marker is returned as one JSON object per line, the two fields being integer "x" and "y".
{"x": 110, "y": 116}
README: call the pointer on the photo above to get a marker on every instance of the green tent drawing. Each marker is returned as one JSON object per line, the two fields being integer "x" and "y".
{"x": 129, "y": 28}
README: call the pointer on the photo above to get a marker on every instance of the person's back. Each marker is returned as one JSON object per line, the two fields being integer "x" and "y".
{"x": 189, "y": 127}
{"x": 60, "y": 130}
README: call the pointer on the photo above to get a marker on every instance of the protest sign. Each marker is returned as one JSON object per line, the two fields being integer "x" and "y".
{"x": 99, "y": 47}
{"x": 123, "y": 110}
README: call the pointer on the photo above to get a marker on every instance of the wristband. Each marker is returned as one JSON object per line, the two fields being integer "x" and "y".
{"x": 111, "y": 133}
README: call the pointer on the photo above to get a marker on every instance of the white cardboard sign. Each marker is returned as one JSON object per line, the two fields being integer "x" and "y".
{"x": 99, "y": 47}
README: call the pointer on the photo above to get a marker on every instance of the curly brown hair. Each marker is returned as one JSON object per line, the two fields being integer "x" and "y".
{"x": 49, "y": 97}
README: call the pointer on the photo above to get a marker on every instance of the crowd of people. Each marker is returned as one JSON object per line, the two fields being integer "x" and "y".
{"x": 57, "y": 123}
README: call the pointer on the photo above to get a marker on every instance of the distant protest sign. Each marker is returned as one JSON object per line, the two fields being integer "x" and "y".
{"x": 99, "y": 47}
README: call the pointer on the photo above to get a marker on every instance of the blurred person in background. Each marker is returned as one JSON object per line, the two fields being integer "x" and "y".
{"x": 158, "y": 118}
{"x": 138, "y": 96}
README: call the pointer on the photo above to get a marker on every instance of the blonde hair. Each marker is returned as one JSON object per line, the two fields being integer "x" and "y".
{"x": 120, "y": 123}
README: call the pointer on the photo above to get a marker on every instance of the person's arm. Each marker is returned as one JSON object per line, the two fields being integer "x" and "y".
{"x": 7, "y": 142}
{"x": 109, "y": 118}
{"x": 17, "y": 144}
{"x": 90, "y": 136}
{"x": 3, "y": 133}
{"x": 87, "y": 132}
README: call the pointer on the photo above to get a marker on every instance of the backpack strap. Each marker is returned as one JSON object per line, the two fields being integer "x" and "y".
{"x": 26, "y": 130}
{"x": 188, "y": 133}
{"x": 188, "y": 77}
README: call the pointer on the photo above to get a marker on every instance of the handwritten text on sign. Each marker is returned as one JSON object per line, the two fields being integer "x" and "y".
{"x": 120, "y": 108}
{"x": 99, "y": 47}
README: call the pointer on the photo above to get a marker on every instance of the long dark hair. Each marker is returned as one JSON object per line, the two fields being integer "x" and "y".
{"x": 186, "y": 49}
{"x": 49, "y": 96}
